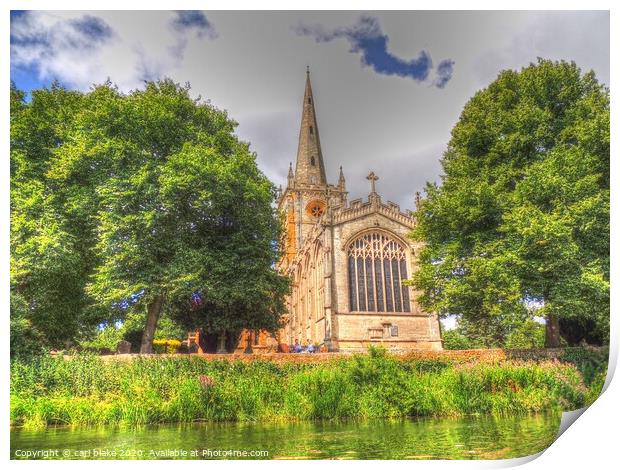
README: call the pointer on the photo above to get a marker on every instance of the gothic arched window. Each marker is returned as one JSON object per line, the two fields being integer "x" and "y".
{"x": 377, "y": 264}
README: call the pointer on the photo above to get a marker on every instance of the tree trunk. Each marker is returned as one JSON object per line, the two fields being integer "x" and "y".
{"x": 552, "y": 331}
{"x": 152, "y": 315}
{"x": 221, "y": 343}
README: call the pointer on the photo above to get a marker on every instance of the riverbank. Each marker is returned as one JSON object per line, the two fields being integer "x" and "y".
{"x": 89, "y": 390}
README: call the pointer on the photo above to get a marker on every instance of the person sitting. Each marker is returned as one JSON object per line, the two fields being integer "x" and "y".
{"x": 310, "y": 348}
{"x": 297, "y": 347}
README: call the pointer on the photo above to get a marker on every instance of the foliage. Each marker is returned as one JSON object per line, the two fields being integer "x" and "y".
{"x": 454, "y": 339}
{"x": 51, "y": 235}
{"x": 90, "y": 390}
{"x": 493, "y": 333}
{"x": 130, "y": 329}
{"x": 107, "y": 338}
{"x": 529, "y": 335}
{"x": 26, "y": 340}
{"x": 138, "y": 203}
{"x": 520, "y": 222}
{"x": 166, "y": 346}
{"x": 592, "y": 363}
{"x": 167, "y": 328}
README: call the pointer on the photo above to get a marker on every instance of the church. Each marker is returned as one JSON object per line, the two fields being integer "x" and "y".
{"x": 347, "y": 260}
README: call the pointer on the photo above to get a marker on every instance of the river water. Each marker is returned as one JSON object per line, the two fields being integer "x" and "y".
{"x": 446, "y": 438}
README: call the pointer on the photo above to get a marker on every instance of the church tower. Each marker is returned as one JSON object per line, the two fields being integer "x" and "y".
{"x": 348, "y": 261}
{"x": 307, "y": 195}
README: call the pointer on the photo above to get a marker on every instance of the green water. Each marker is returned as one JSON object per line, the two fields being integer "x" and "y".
{"x": 458, "y": 438}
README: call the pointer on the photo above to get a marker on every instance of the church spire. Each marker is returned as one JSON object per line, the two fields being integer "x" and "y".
{"x": 341, "y": 180}
{"x": 291, "y": 175}
{"x": 309, "y": 168}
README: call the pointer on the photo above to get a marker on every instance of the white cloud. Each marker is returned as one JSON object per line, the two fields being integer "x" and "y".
{"x": 126, "y": 46}
{"x": 581, "y": 36}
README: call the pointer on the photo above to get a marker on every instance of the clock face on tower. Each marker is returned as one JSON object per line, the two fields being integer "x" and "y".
{"x": 316, "y": 208}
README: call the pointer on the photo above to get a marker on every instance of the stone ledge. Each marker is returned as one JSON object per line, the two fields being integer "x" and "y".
{"x": 462, "y": 355}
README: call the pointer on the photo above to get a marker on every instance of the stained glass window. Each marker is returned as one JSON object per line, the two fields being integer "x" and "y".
{"x": 377, "y": 265}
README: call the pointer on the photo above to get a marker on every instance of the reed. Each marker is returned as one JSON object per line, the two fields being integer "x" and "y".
{"x": 87, "y": 390}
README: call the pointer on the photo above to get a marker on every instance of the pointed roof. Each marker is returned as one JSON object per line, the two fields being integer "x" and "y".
{"x": 341, "y": 177}
{"x": 309, "y": 168}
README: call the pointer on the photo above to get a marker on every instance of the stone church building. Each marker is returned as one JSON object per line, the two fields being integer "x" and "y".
{"x": 347, "y": 259}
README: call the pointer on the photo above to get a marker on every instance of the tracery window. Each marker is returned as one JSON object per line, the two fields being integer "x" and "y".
{"x": 377, "y": 264}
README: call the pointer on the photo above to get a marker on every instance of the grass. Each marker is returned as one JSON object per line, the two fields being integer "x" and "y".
{"x": 87, "y": 390}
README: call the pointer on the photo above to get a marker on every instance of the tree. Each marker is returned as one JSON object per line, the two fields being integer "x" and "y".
{"x": 521, "y": 218}
{"x": 139, "y": 202}
{"x": 184, "y": 211}
{"x": 454, "y": 339}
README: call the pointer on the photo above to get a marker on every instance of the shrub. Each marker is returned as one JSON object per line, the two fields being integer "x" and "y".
{"x": 166, "y": 346}
{"x": 530, "y": 334}
{"x": 452, "y": 339}
{"x": 25, "y": 340}
{"x": 107, "y": 337}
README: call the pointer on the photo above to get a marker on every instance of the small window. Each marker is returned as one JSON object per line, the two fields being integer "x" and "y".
{"x": 309, "y": 100}
{"x": 312, "y": 161}
{"x": 316, "y": 208}
{"x": 311, "y": 130}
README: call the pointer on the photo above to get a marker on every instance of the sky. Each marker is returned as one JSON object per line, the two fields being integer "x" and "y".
{"x": 388, "y": 86}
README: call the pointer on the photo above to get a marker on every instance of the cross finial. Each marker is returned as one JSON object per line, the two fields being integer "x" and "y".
{"x": 308, "y": 69}
{"x": 373, "y": 179}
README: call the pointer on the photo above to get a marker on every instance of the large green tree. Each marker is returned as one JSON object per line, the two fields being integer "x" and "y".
{"x": 185, "y": 216}
{"x": 148, "y": 201}
{"x": 520, "y": 222}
